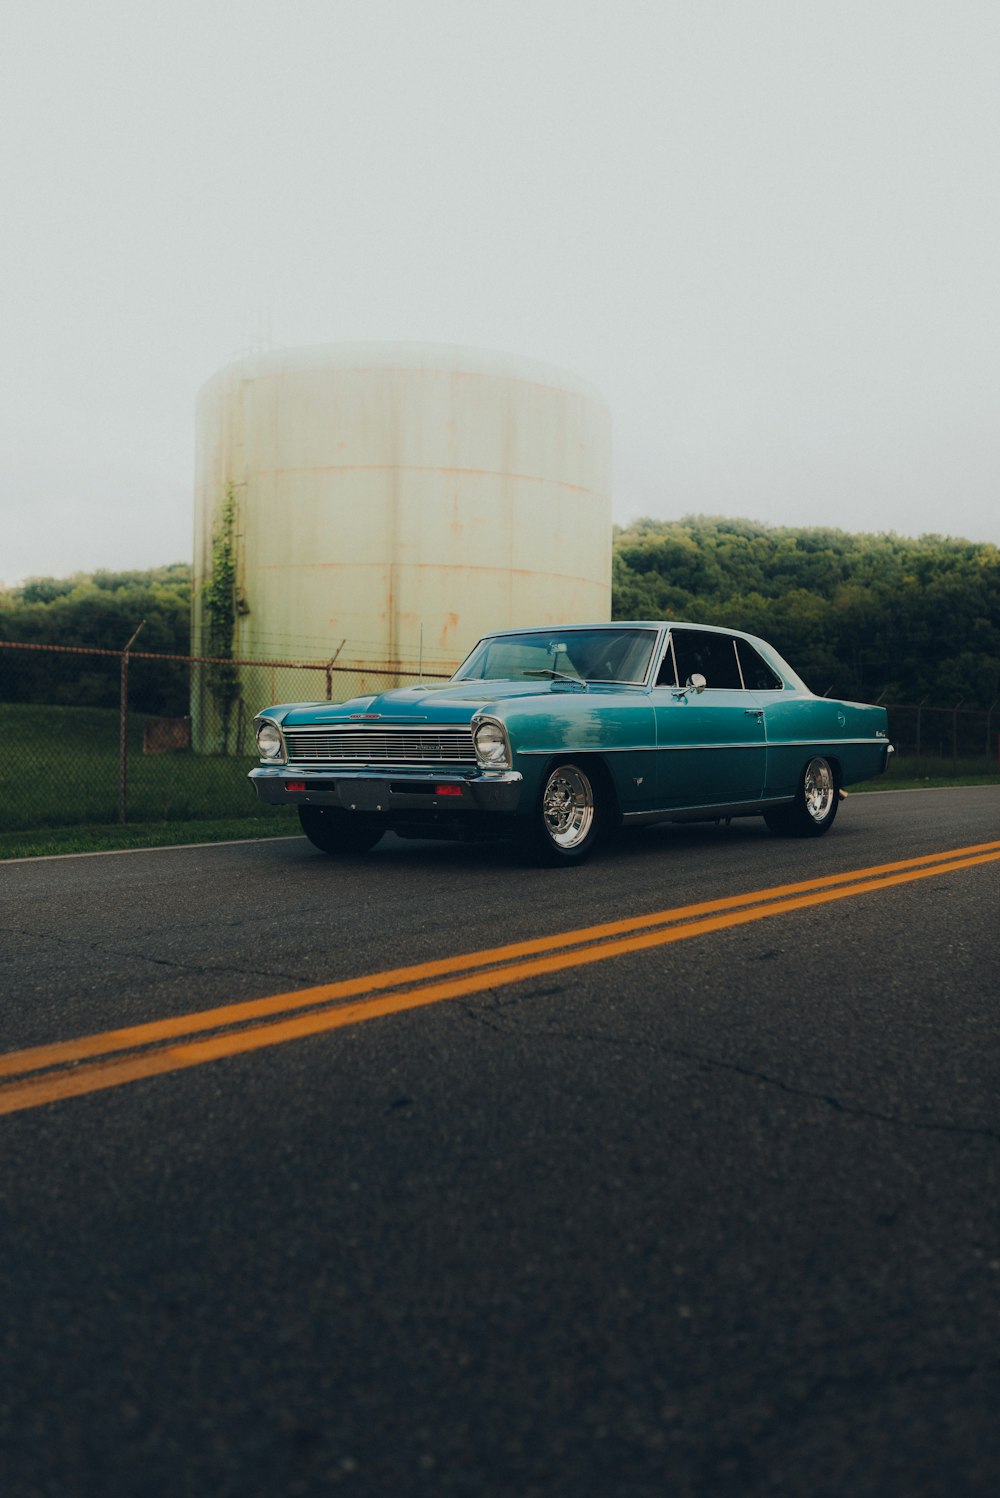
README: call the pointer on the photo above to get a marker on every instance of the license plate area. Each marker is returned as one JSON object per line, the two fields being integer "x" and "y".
{"x": 447, "y": 792}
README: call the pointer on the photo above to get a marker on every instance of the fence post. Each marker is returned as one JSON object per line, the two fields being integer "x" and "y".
{"x": 920, "y": 707}
{"x": 123, "y": 730}
{"x": 329, "y": 670}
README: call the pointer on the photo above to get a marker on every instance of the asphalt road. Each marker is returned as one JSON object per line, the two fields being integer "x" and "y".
{"x": 717, "y": 1216}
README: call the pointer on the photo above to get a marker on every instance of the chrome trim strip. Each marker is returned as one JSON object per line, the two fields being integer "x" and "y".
{"x": 591, "y": 749}
{"x": 772, "y": 744}
{"x": 661, "y": 656}
{"x": 817, "y": 743}
{"x": 739, "y": 666}
{"x": 352, "y": 773}
{"x": 359, "y": 725}
{"x": 699, "y": 748}
{"x": 645, "y": 748}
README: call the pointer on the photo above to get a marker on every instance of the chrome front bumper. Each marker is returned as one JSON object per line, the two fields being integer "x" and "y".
{"x": 386, "y": 790}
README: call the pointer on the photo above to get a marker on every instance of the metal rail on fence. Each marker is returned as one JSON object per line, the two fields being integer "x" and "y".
{"x": 213, "y": 660}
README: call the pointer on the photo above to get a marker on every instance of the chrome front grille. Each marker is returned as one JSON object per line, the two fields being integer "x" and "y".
{"x": 449, "y": 744}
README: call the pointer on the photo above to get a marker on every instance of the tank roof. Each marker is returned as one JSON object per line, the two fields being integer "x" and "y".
{"x": 443, "y": 358}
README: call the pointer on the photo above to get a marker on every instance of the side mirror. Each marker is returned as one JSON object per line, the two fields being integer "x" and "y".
{"x": 695, "y": 683}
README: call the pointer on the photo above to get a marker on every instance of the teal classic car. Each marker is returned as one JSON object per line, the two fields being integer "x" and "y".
{"x": 554, "y": 735}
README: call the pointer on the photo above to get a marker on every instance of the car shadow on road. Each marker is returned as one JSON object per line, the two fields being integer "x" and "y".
{"x": 663, "y": 840}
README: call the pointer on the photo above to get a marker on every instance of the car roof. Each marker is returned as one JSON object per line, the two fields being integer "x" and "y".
{"x": 548, "y": 629}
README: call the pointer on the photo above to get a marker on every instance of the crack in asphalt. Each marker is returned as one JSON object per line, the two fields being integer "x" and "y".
{"x": 170, "y": 962}
{"x": 479, "y": 1014}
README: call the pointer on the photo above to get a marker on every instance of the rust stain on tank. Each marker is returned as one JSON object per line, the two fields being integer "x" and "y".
{"x": 449, "y": 627}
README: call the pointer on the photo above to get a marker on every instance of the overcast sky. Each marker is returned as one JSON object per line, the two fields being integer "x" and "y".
{"x": 767, "y": 230}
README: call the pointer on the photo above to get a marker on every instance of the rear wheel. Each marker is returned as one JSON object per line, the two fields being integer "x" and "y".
{"x": 568, "y": 818}
{"x": 336, "y": 831}
{"x": 815, "y": 805}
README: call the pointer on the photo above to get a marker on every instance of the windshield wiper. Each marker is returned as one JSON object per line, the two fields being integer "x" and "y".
{"x": 577, "y": 681}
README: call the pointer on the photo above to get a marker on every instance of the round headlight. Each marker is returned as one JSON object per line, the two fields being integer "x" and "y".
{"x": 491, "y": 746}
{"x": 269, "y": 741}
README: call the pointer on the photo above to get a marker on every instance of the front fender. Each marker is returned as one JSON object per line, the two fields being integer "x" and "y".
{"x": 619, "y": 730}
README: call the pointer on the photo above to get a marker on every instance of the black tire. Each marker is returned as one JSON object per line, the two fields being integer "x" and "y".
{"x": 568, "y": 818}
{"x": 815, "y": 806}
{"x": 335, "y": 831}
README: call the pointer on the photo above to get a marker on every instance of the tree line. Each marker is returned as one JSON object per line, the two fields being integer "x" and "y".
{"x": 858, "y": 616}
{"x": 100, "y": 610}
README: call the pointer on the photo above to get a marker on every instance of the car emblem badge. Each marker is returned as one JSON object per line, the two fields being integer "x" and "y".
{"x": 364, "y": 717}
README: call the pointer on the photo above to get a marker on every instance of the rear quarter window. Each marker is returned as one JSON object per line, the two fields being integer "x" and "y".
{"x": 757, "y": 674}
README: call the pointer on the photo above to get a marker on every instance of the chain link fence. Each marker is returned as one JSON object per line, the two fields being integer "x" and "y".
{"x": 98, "y": 736}
{"x": 945, "y": 740}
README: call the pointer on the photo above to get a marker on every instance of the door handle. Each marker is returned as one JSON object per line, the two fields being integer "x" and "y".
{"x": 754, "y": 712}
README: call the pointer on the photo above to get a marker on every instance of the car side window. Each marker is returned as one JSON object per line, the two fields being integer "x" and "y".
{"x": 713, "y": 655}
{"x": 757, "y": 674}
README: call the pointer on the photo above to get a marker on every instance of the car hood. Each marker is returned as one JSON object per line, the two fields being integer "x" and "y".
{"x": 451, "y": 702}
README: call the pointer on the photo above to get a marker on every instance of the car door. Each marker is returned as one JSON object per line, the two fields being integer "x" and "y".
{"x": 710, "y": 745}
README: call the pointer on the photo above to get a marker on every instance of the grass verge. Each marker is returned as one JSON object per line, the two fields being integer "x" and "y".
{"x": 66, "y": 772}
{"x": 908, "y": 773}
{"x": 108, "y": 839}
{"x": 921, "y": 782}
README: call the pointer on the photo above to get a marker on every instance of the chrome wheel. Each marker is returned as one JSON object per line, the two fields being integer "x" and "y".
{"x": 812, "y": 812}
{"x": 568, "y": 807}
{"x": 818, "y": 789}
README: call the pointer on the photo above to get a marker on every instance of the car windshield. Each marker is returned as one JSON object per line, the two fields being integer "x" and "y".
{"x": 607, "y": 654}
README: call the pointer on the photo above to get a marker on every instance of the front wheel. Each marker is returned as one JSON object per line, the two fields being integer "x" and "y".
{"x": 815, "y": 805}
{"x": 336, "y": 831}
{"x": 568, "y": 818}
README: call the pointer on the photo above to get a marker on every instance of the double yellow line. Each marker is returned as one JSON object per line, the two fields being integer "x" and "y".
{"x": 72, "y": 1068}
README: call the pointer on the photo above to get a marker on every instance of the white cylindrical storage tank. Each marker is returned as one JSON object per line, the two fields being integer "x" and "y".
{"x": 402, "y": 499}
